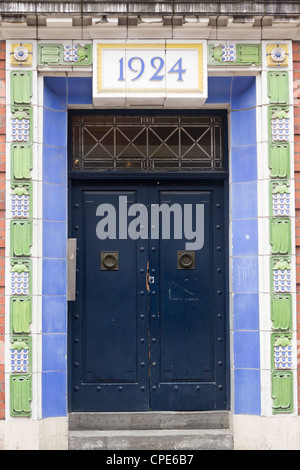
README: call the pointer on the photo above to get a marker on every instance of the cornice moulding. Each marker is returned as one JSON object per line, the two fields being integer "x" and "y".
{"x": 20, "y": 20}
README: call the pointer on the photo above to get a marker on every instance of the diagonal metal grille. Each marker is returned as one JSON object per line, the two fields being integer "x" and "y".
{"x": 146, "y": 143}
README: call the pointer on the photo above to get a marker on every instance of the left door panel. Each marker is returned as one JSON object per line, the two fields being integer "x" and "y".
{"x": 109, "y": 317}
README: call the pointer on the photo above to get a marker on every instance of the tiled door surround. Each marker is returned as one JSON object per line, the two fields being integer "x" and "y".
{"x": 254, "y": 83}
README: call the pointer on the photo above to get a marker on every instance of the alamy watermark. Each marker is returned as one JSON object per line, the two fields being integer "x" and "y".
{"x": 136, "y": 222}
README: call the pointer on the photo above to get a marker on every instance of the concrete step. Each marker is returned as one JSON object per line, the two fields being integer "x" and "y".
{"x": 152, "y": 439}
{"x": 149, "y": 420}
{"x": 150, "y": 431}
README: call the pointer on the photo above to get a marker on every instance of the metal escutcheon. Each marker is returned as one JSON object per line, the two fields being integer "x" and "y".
{"x": 109, "y": 260}
{"x": 186, "y": 260}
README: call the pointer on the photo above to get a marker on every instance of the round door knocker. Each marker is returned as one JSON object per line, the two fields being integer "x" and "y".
{"x": 186, "y": 260}
{"x": 109, "y": 260}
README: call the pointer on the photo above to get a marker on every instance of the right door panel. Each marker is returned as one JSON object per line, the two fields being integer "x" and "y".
{"x": 187, "y": 299}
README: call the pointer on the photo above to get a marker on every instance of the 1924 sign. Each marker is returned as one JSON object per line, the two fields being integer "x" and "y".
{"x": 150, "y": 73}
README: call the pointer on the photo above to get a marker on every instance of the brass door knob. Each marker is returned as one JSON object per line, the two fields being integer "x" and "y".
{"x": 110, "y": 260}
{"x": 186, "y": 260}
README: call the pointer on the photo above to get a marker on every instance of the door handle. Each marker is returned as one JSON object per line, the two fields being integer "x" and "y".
{"x": 186, "y": 260}
{"x": 109, "y": 260}
{"x": 72, "y": 250}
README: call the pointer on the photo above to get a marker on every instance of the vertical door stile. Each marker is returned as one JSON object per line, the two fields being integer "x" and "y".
{"x": 154, "y": 314}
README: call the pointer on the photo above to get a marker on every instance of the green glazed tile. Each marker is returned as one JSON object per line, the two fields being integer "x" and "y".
{"x": 20, "y": 395}
{"x": 282, "y": 392}
{"x": 21, "y": 87}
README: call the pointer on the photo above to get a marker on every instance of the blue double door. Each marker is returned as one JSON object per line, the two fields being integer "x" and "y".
{"x": 148, "y": 327}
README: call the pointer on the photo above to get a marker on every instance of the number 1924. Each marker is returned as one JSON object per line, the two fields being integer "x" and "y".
{"x": 137, "y": 66}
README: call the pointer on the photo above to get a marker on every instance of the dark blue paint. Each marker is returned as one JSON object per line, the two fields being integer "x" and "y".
{"x": 108, "y": 305}
{"x": 136, "y": 350}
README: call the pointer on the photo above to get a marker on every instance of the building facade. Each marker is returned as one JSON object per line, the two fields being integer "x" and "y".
{"x": 109, "y": 112}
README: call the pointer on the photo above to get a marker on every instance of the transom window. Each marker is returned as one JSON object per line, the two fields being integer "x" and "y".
{"x": 139, "y": 142}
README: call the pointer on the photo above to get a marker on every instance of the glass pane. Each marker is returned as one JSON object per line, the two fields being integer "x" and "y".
{"x": 196, "y": 142}
{"x": 163, "y": 142}
{"x": 139, "y": 142}
{"x": 130, "y": 142}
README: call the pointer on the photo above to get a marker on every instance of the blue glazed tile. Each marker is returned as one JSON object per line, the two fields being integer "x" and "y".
{"x": 55, "y": 128}
{"x": 243, "y": 127}
{"x": 54, "y": 239}
{"x": 54, "y": 277}
{"x": 245, "y": 274}
{"x": 219, "y": 89}
{"x": 54, "y": 314}
{"x": 246, "y": 349}
{"x": 247, "y": 392}
{"x": 244, "y": 237}
{"x": 243, "y": 92}
{"x": 55, "y": 165}
{"x": 245, "y": 312}
{"x": 55, "y": 93}
{"x": 244, "y": 164}
{"x": 54, "y": 352}
{"x": 54, "y": 202}
{"x": 80, "y": 90}
{"x": 244, "y": 200}
{"x": 54, "y": 394}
